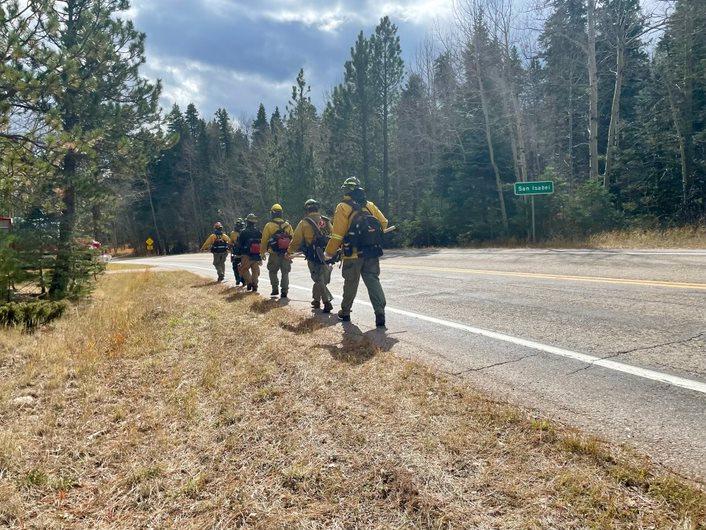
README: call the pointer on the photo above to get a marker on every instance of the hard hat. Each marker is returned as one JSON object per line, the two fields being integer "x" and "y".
{"x": 218, "y": 225}
{"x": 276, "y": 208}
{"x": 311, "y": 203}
{"x": 351, "y": 184}
{"x": 251, "y": 218}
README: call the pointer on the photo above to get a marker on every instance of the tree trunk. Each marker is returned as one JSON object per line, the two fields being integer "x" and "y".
{"x": 67, "y": 221}
{"x": 364, "y": 142}
{"x": 385, "y": 154}
{"x": 593, "y": 89}
{"x": 489, "y": 139}
{"x": 198, "y": 217}
{"x": 521, "y": 144}
{"x": 160, "y": 243}
{"x": 96, "y": 221}
{"x": 571, "y": 130}
{"x": 614, "y": 112}
{"x": 684, "y": 162}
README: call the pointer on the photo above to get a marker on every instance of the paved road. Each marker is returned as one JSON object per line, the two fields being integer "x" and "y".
{"x": 610, "y": 341}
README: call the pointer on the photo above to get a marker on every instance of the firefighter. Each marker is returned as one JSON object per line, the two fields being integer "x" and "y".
{"x": 249, "y": 245}
{"x": 358, "y": 227}
{"x": 311, "y": 236}
{"x": 235, "y": 253}
{"x": 276, "y": 237}
{"x": 218, "y": 243}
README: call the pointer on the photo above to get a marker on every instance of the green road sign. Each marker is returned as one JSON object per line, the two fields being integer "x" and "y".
{"x": 540, "y": 187}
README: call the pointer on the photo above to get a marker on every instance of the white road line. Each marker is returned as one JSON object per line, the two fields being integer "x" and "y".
{"x": 645, "y": 373}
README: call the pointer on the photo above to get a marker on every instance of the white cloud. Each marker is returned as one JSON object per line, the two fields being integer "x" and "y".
{"x": 422, "y": 12}
{"x": 324, "y": 20}
{"x": 188, "y": 81}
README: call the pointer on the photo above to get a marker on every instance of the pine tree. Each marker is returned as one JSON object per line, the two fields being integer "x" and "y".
{"x": 387, "y": 71}
{"x": 101, "y": 94}
{"x": 358, "y": 78}
{"x": 566, "y": 87}
{"x": 300, "y": 171}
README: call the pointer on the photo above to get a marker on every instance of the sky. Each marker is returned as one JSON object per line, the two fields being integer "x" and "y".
{"x": 238, "y": 53}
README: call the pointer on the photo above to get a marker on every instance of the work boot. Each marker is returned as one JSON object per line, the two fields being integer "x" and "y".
{"x": 328, "y": 307}
{"x": 315, "y": 304}
{"x": 254, "y": 288}
{"x": 380, "y": 320}
{"x": 275, "y": 292}
{"x": 343, "y": 317}
{"x": 220, "y": 278}
{"x": 284, "y": 294}
{"x": 250, "y": 287}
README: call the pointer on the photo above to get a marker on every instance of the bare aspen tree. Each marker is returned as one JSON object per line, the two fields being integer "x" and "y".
{"x": 501, "y": 12}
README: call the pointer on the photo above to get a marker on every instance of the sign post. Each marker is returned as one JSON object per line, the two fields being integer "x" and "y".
{"x": 539, "y": 187}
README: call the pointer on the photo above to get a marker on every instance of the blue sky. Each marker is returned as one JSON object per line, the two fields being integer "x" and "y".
{"x": 237, "y": 53}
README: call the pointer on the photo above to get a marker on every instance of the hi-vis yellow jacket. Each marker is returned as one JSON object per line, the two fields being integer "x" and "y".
{"x": 342, "y": 223}
{"x": 304, "y": 233}
{"x": 271, "y": 229}
{"x": 209, "y": 241}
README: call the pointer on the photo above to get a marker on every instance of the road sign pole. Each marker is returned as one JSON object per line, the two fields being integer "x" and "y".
{"x": 540, "y": 187}
{"x": 534, "y": 229}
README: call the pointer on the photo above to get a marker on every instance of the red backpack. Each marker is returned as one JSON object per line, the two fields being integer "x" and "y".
{"x": 280, "y": 241}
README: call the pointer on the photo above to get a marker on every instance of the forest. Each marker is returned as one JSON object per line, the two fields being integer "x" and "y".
{"x": 604, "y": 97}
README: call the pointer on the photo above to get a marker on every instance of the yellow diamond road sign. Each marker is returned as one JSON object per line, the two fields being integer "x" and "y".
{"x": 149, "y": 241}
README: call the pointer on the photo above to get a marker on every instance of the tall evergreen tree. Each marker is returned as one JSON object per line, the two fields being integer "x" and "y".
{"x": 101, "y": 94}
{"x": 387, "y": 72}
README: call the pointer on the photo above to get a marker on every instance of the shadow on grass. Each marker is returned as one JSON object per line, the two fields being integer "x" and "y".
{"x": 309, "y": 325}
{"x": 263, "y": 305}
{"x": 357, "y": 347}
{"x": 206, "y": 284}
{"x": 233, "y": 294}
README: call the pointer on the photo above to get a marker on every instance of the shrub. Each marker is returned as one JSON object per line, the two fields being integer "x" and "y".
{"x": 30, "y": 314}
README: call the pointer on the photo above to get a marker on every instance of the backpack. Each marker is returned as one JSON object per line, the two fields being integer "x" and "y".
{"x": 280, "y": 241}
{"x": 219, "y": 246}
{"x": 254, "y": 248}
{"x": 315, "y": 251}
{"x": 365, "y": 232}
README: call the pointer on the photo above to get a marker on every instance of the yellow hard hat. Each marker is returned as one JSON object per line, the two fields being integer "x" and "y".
{"x": 276, "y": 208}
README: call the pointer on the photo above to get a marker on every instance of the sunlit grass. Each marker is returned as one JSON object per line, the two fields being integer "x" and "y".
{"x": 165, "y": 402}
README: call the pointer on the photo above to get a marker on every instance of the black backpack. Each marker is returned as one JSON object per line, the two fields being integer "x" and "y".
{"x": 365, "y": 232}
{"x": 220, "y": 245}
{"x": 315, "y": 251}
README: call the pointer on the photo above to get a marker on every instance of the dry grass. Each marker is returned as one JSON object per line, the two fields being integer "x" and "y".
{"x": 688, "y": 237}
{"x": 126, "y": 267}
{"x": 166, "y": 402}
{"x": 684, "y": 237}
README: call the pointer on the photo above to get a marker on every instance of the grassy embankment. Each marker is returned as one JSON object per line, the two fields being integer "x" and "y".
{"x": 693, "y": 237}
{"x": 167, "y": 401}
{"x": 126, "y": 267}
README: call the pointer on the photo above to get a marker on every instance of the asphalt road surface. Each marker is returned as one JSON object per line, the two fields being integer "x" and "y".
{"x": 613, "y": 342}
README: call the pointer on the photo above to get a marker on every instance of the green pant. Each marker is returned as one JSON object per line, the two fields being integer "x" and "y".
{"x": 219, "y": 261}
{"x": 276, "y": 263}
{"x": 321, "y": 276}
{"x": 369, "y": 269}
